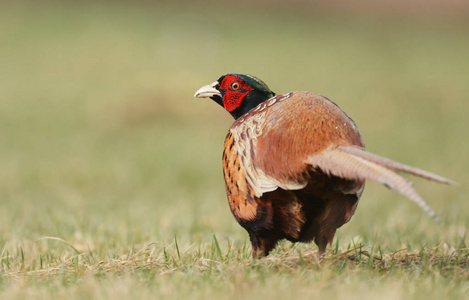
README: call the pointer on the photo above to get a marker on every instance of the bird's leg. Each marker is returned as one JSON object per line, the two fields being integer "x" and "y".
{"x": 261, "y": 247}
{"x": 257, "y": 252}
{"x": 322, "y": 240}
{"x": 322, "y": 244}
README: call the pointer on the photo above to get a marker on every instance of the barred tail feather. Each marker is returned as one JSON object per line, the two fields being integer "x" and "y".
{"x": 354, "y": 163}
{"x": 393, "y": 165}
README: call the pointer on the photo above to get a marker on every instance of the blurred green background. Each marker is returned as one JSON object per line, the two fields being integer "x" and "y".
{"x": 103, "y": 145}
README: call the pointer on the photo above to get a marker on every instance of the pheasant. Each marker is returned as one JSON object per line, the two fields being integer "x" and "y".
{"x": 295, "y": 164}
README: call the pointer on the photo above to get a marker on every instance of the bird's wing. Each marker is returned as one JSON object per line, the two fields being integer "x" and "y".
{"x": 354, "y": 163}
{"x": 283, "y": 134}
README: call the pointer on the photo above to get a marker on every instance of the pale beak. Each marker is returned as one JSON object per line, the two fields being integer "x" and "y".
{"x": 208, "y": 91}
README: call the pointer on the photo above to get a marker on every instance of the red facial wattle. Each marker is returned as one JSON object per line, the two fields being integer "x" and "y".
{"x": 233, "y": 98}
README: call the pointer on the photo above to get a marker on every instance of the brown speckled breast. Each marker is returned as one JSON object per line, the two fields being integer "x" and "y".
{"x": 243, "y": 203}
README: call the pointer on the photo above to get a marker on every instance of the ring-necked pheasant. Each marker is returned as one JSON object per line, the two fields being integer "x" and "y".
{"x": 295, "y": 164}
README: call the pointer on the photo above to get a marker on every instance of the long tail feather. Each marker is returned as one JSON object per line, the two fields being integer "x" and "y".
{"x": 346, "y": 164}
{"x": 393, "y": 165}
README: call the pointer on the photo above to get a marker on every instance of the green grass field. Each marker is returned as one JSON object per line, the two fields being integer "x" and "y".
{"x": 110, "y": 171}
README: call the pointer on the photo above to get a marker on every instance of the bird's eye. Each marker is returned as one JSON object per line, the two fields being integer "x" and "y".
{"x": 235, "y": 86}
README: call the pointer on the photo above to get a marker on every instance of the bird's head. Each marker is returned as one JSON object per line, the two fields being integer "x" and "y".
{"x": 237, "y": 93}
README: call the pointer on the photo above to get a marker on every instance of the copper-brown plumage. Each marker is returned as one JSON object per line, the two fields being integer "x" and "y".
{"x": 295, "y": 164}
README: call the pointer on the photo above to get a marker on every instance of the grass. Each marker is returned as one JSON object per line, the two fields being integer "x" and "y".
{"x": 110, "y": 178}
{"x": 207, "y": 270}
